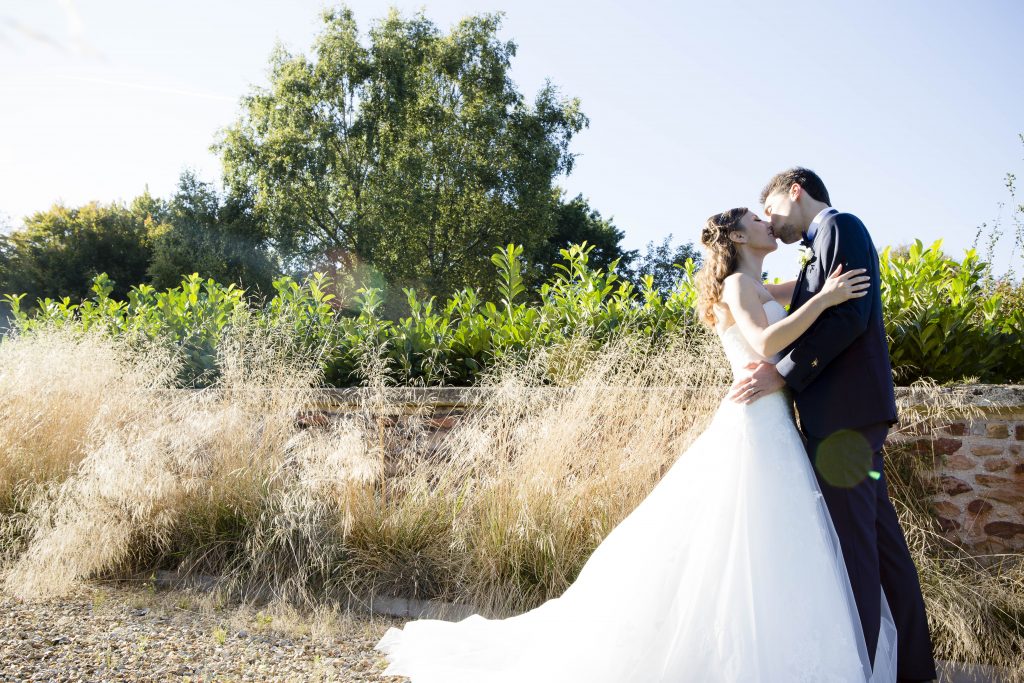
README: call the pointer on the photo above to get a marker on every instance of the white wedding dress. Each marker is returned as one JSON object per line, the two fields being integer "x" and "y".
{"x": 729, "y": 570}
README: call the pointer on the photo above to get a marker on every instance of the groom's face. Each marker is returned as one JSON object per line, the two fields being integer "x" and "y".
{"x": 783, "y": 211}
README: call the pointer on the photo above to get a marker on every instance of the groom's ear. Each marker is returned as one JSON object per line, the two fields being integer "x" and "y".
{"x": 795, "y": 190}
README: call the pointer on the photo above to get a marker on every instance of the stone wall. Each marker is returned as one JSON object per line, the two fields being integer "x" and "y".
{"x": 978, "y": 472}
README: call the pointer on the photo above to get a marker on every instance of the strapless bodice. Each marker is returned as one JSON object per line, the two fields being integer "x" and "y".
{"x": 738, "y": 350}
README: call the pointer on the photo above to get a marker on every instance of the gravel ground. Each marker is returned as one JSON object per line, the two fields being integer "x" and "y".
{"x": 110, "y": 633}
{"x": 114, "y": 633}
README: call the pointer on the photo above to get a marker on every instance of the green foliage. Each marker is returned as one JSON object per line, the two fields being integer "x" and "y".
{"x": 213, "y": 236}
{"x": 412, "y": 151}
{"x": 510, "y": 281}
{"x": 577, "y": 222}
{"x": 191, "y": 316}
{"x": 62, "y": 249}
{"x": 946, "y": 320}
{"x": 662, "y": 262}
{"x": 434, "y": 344}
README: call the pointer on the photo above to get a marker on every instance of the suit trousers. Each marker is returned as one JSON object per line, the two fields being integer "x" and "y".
{"x": 876, "y": 554}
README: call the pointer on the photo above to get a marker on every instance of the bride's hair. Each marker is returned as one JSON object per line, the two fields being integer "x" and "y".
{"x": 719, "y": 260}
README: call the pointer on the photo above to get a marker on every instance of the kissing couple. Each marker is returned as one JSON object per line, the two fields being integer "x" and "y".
{"x": 766, "y": 552}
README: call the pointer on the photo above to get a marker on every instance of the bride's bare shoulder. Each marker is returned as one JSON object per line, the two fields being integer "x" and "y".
{"x": 737, "y": 286}
{"x": 739, "y": 280}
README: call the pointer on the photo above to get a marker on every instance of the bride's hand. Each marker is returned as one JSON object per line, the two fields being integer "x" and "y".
{"x": 840, "y": 286}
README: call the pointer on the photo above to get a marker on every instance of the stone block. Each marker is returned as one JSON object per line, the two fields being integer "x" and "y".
{"x": 990, "y": 545}
{"x": 997, "y": 430}
{"x": 1011, "y": 495}
{"x": 978, "y": 506}
{"x": 314, "y": 419}
{"x": 1019, "y": 432}
{"x": 939, "y": 446}
{"x": 1004, "y": 529}
{"x": 997, "y": 465}
{"x": 442, "y": 422}
{"x": 947, "y": 525}
{"x": 953, "y": 486}
{"x": 960, "y": 462}
{"x": 947, "y": 509}
{"x": 956, "y": 429}
{"x": 992, "y": 480}
{"x": 985, "y": 449}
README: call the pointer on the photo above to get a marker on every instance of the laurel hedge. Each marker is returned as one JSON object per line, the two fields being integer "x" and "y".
{"x": 947, "y": 319}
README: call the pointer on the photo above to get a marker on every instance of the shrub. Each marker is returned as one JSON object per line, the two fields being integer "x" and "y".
{"x": 947, "y": 320}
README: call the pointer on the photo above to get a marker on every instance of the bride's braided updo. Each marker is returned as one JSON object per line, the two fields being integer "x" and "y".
{"x": 719, "y": 261}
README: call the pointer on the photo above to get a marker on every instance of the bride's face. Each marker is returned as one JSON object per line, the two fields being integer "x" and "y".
{"x": 757, "y": 234}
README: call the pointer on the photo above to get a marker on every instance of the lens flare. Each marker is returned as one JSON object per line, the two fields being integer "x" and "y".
{"x": 844, "y": 459}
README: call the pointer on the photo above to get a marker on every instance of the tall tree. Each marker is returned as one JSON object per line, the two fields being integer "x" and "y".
{"x": 414, "y": 153}
{"x": 663, "y": 262}
{"x": 214, "y": 236}
{"x": 60, "y": 250}
{"x": 577, "y": 222}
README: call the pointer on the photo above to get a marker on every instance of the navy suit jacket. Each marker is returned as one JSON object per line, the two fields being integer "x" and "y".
{"x": 839, "y": 369}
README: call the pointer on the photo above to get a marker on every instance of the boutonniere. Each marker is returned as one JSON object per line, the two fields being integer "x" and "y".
{"x": 805, "y": 255}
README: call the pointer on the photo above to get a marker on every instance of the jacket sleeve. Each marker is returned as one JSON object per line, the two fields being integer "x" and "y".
{"x": 845, "y": 240}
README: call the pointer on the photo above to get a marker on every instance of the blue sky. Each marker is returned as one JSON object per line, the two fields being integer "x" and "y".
{"x": 909, "y": 110}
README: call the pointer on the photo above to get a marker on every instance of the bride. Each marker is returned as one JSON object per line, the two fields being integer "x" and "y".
{"x": 729, "y": 570}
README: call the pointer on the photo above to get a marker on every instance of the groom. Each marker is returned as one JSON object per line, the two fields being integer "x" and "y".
{"x": 841, "y": 378}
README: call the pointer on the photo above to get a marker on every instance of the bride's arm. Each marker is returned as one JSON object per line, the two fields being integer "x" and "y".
{"x": 739, "y": 292}
{"x": 782, "y": 292}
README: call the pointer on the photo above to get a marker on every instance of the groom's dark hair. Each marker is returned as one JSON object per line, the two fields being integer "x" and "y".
{"x": 804, "y": 177}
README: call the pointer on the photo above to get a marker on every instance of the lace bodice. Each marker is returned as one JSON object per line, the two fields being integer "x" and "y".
{"x": 738, "y": 350}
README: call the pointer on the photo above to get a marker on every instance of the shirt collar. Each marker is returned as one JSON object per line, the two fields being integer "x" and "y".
{"x": 813, "y": 230}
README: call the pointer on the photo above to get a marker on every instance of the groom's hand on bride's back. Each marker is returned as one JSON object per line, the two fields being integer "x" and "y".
{"x": 761, "y": 379}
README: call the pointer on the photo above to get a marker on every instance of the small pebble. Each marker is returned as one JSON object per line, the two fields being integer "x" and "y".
{"x": 82, "y": 637}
